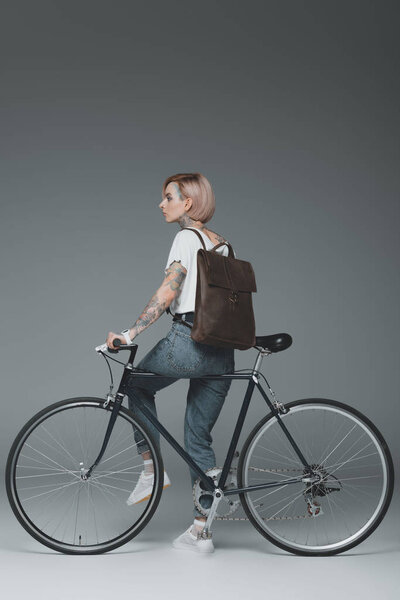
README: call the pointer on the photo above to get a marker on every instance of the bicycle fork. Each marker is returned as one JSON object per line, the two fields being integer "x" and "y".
{"x": 118, "y": 399}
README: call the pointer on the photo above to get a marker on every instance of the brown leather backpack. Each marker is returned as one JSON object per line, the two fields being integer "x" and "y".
{"x": 223, "y": 314}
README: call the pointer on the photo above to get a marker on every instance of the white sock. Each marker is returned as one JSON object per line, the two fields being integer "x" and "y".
{"x": 197, "y": 526}
{"x": 148, "y": 467}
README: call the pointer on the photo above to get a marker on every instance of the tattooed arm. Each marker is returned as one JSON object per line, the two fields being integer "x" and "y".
{"x": 169, "y": 289}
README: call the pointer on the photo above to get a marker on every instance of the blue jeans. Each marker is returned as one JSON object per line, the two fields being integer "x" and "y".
{"x": 177, "y": 356}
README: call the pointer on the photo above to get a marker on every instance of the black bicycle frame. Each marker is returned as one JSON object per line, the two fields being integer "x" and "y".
{"x": 130, "y": 372}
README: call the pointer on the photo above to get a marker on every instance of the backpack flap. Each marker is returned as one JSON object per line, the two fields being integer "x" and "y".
{"x": 230, "y": 273}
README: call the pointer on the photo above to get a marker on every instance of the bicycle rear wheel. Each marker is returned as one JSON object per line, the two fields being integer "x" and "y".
{"x": 347, "y": 499}
{"x": 50, "y": 498}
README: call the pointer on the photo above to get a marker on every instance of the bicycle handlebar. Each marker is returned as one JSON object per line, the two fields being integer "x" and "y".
{"x": 118, "y": 345}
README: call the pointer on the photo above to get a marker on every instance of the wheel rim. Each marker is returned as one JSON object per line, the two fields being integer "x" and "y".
{"x": 47, "y": 488}
{"x": 347, "y": 456}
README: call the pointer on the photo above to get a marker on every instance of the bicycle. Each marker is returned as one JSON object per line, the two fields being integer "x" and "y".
{"x": 315, "y": 476}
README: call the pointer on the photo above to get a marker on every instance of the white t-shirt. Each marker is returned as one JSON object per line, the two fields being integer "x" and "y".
{"x": 184, "y": 250}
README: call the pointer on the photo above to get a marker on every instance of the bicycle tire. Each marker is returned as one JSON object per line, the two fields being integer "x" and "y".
{"x": 125, "y": 419}
{"x": 319, "y": 507}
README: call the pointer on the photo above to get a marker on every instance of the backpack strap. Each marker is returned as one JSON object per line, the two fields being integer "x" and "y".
{"x": 230, "y": 253}
{"x": 176, "y": 318}
{"x": 198, "y": 235}
{"x": 230, "y": 249}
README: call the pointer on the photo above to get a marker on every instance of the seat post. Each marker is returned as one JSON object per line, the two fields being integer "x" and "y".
{"x": 261, "y": 353}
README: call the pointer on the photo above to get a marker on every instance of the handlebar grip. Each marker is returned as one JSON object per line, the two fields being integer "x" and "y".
{"x": 116, "y": 343}
{"x": 104, "y": 348}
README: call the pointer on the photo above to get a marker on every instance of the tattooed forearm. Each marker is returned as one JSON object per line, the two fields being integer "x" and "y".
{"x": 151, "y": 313}
{"x": 169, "y": 289}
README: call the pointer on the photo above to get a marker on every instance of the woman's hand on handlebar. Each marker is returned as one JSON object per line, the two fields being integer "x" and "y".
{"x": 115, "y": 341}
{"x": 112, "y": 336}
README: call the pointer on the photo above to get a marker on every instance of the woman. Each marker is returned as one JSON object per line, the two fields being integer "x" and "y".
{"x": 187, "y": 199}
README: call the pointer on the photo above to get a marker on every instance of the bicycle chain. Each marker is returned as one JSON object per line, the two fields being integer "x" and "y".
{"x": 274, "y": 470}
{"x": 226, "y": 518}
{"x": 264, "y": 519}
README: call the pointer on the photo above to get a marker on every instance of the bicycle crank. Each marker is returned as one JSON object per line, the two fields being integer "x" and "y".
{"x": 228, "y": 505}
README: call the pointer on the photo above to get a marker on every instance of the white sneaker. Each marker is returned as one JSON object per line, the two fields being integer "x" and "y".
{"x": 144, "y": 488}
{"x": 189, "y": 541}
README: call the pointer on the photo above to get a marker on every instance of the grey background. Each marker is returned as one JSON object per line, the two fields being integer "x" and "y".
{"x": 291, "y": 110}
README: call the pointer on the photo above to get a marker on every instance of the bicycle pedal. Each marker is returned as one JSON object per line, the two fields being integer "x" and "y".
{"x": 204, "y": 535}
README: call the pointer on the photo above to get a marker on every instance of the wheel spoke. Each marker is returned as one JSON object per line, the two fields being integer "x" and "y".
{"x": 325, "y": 513}
{"x": 53, "y": 461}
{"x": 47, "y": 477}
{"x": 62, "y": 445}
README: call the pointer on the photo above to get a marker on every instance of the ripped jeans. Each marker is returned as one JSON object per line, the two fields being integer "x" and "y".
{"x": 177, "y": 356}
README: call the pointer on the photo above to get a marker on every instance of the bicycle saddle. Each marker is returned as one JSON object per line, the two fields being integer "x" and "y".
{"x": 274, "y": 343}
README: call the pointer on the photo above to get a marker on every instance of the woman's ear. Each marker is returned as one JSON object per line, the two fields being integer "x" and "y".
{"x": 188, "y": 203}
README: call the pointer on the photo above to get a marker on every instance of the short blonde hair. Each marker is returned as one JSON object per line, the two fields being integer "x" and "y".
{"x": 198, "y": 188}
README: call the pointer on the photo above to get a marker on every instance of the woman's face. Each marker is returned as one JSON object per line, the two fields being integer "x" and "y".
{"x": 173, "y": 203}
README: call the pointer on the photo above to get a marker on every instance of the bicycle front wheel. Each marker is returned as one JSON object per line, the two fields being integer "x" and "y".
{"x": 51, "y": 499}
{"x": 345, "y": 500}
